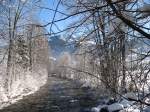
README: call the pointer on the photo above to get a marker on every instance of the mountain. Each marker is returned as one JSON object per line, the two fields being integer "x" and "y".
{"x": 59, "y": 45}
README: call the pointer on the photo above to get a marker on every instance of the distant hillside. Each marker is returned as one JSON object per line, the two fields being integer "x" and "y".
{"x": 59, "y": 45}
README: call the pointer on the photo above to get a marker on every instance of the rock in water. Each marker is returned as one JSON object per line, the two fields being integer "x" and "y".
{"x": 105, "y": 109}
{"x": 115, "y": 107}
{"x": 131, "y": 95}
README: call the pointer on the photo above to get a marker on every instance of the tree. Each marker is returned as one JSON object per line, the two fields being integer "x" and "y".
{"x": 22, "y": 53}
{"x": 111, "y": 25}
{"x": 14, "y": 16}
{"x": 63, "y": 63}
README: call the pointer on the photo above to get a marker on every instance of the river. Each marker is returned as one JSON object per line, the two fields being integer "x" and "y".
{"x": 58, "y": 95}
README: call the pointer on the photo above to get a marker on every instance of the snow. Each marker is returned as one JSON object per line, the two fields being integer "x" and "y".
{"x": 126, "y": 103}
{"x": 86, "y": 84}
{"x": 123, "y": 105}
{"x": 3, "y": 97}
{"x": 27, "y": 83}
{"x": 111, "y": 108}
{"x": 52, "y": 58}
{"x": 131, "y": 95}
{"x": 95, "y": 109}
{"x": 130, "y": 109}
{"x": 91, "y": 42}
{"x": 147, "y": 100}
{"x": 98, "y": 108}
{"x": 115, "y": 107}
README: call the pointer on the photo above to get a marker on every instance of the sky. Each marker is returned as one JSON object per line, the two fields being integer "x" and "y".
{"x": 46, "y": 16}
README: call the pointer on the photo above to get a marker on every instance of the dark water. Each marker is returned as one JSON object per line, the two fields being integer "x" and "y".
{"x": 57, "y": 96}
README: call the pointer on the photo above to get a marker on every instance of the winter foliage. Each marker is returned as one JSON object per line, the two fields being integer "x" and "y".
{"x": 104, "y": 47}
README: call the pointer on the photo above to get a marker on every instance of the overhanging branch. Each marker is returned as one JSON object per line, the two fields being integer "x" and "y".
{"x": 127, "y": 21}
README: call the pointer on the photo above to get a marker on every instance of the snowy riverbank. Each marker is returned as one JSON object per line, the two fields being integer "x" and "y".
{"x": 124, "y": 104}
{"x": 28, "y": 83}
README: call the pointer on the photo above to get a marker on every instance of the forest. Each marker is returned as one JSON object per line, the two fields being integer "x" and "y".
{"x": 74, "y": 56}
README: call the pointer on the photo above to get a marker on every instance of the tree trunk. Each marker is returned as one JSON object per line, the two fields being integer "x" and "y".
{"x": 123, "y": 61}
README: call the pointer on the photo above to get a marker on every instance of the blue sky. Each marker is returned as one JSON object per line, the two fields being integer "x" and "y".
{"x": 46, "y": 16}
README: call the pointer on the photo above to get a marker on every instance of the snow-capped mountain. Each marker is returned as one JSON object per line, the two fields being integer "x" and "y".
{"x": 59, "y": 45}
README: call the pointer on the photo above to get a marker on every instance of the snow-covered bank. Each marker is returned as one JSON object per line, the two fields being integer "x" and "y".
{"x": 28, "y": 83}
{"x": 122, "y": 105}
